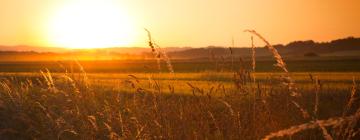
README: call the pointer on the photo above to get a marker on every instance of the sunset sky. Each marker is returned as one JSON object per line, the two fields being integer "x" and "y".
{"x": 175, "y": 23}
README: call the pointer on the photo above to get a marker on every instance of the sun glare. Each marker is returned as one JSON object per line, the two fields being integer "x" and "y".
{"x": 91, "y": 24}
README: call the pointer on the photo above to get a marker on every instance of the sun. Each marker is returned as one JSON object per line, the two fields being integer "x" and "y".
{"x": 91, "y": 24}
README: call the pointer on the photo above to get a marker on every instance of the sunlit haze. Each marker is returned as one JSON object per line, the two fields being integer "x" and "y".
{"x": 176, "y": 23}
{"x": 91, "y": 24}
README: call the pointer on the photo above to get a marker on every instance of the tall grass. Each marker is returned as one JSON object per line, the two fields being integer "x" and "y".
{"x": 70, "y": 106}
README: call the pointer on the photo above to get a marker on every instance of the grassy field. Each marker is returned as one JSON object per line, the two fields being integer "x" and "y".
{"x": 219, "y": 99}
{"x": 206, "y": 80}
{"x": 206, "y": 105}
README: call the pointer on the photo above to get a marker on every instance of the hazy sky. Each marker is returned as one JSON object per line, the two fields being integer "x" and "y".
{"x": 198, "y": 23}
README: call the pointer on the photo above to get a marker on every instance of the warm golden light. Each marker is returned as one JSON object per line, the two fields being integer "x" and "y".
{"x": 91, "y": 24}
{"x": 176, "y": 23}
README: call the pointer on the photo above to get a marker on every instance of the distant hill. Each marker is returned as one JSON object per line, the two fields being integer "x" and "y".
{"x": 298, "y": 49}
{"x": 28, "y": 53}
{"x": 125, "y": 50}
{"x": 341, "y": 47}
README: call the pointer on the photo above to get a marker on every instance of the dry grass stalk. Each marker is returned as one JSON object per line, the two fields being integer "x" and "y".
{"x": 231, "y": 110}
{"x": 153, "y": 49}
{"x": 123, "y": 134}
{"x": 48, "y": 78}
{"x": 349, "y": 130}
{"x": 66, "y": 131}
{"x": 92, "y": 120}
{"x": 287, "y": 80}
{"x": 150, "y": 42}
{"x": 238, "y": 117}
{"x": 85, "y": 78}
{"x": 310, "y": 125}
{"x": 317, "y": 90}
{"x": 253, "y": 54}
{"x": 279, "y": 63}
{"x": 253, "y": 58}
{"x": 214, "y": 122}
{"x": 71, "y": 82}
{"x": 232, "y": 53}
{"x": 325, "y": 133}
{"x": 8, "y": 91}
{"x": 134, "y": 77}
{"x": 305, "y": 114}
{"x": 158, "y": 52}
{"x": 166, "y": 58}
{"x": 352, "y": 98}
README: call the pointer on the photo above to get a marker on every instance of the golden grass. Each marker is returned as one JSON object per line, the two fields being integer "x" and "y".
{"x": 208, "y": 105}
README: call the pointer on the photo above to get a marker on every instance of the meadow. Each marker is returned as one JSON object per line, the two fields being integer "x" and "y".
{"x": 180, "y": 100}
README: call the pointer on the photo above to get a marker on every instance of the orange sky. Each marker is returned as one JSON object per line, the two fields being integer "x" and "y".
{"x": 197, "y": 23}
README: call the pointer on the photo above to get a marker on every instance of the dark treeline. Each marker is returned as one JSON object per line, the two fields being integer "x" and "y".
{"x": 341, "y": 47}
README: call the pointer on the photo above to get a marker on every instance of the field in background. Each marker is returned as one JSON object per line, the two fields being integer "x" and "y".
{"x": 323, "y": 64}
{"x": 205, "y": 80}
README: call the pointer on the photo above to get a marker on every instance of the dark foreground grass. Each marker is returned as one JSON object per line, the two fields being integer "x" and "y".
{"x": 68, "y": 108}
